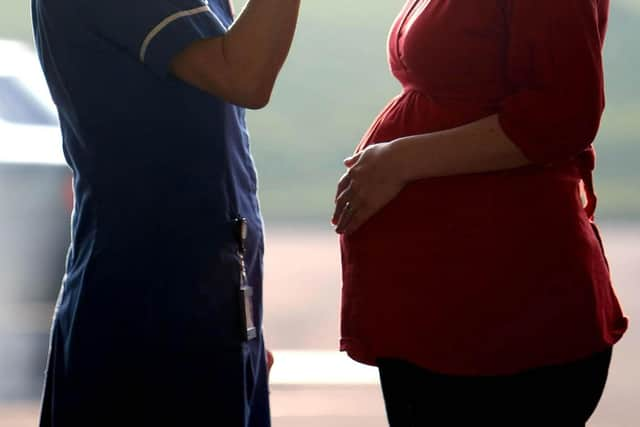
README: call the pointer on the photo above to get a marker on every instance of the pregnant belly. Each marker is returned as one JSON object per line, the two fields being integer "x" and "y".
{"x": 434, "y": 226}
{"x": 428, "y": 229}
{"x": 414, "y": 113}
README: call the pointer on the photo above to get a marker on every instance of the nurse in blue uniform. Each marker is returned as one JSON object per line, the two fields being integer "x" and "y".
{"x": 159, "y": 319}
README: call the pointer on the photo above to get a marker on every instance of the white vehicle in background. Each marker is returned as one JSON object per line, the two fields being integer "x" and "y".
{"x": 34, "y": 180}
{"x": 35, "y": 204}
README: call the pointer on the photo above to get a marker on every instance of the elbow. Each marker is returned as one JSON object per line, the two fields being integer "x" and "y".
{"x": 554, "y": 140}
{"x": 252, "y": 93}
{"x": 580, "y": 128}
{"x": 258, "y": 99}
{"x": 586, "y": 139}
{"x": 256, "y": 104}
{"x": 247, "y": 91}
{"x": 592, "y": 123}
{"x": 252, "y": 98}
{"x": 580, "y": 133}
{"x": 564, "y": 144}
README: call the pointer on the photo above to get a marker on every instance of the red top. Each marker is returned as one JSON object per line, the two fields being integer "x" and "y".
{"x": 499, "y": 272}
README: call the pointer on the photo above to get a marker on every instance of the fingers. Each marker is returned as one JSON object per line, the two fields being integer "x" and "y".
{"x": 341, "y": 202}
{"x": 367, "y": 187}
{"x": 346, "y": 178}
{"x": 357, "y": 219}
{"x": 353, "y": 208}
{"x": 345, "y": 198}
{"x": 343, "y": 184}
{"x": 348, "y": 213}
{"x": 348, "y": 207}
{"x": 351, "y": 161}
{"x": 353, "y": 211}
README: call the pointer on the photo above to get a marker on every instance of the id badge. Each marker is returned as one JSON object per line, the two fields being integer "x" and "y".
{"x": 248, "y": 331}
{"x": 246, "y": 296}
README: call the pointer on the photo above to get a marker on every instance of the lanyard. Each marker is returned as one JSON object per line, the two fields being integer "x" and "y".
{"x": 248, "y": 330}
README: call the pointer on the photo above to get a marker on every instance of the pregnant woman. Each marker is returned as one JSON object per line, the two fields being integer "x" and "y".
{"x": 474, "y": 275}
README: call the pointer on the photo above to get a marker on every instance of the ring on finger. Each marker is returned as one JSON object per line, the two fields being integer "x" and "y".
{"x": 348, "y": 207}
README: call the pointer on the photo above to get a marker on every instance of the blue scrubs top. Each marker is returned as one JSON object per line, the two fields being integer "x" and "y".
{"x": 147, "y": 328}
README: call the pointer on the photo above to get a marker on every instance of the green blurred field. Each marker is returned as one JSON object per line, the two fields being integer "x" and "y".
{"x": 337, "y": 80}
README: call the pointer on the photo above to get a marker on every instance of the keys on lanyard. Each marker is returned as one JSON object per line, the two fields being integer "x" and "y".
{"x": 249, "y": 331}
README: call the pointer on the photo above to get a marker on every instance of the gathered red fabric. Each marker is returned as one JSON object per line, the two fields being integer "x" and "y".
{"x": 491, "y": 273}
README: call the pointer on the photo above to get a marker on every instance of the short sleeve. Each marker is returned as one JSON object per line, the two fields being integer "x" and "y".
{"x": 154, "y": 31}
{"x": 554, "y": 67}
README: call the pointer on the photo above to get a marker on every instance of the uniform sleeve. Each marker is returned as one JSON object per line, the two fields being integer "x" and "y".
{"x": 554, "y": 57}
{"x": 154, "y": 31}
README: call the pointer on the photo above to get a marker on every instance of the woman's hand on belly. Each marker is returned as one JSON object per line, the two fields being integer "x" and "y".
{"x": 372, "y": 180}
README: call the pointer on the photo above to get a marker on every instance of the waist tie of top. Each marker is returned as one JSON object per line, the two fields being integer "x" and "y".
{"x": 586, "y": 162}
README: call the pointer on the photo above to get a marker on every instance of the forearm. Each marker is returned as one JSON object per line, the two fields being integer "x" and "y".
{"x": 258, "y": 42}
{"x": 481, "y": 146}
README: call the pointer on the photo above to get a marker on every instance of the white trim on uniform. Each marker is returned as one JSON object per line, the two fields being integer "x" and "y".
{"x": 168, "y": 20}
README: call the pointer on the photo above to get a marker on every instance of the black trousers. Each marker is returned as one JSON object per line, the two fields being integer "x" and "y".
{"x": 554, "y": 396}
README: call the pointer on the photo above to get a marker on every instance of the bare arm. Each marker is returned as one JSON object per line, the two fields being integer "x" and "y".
{"x": 378, "y": 173}
{"x": 481, "y": 146}
{"x": 242, "y": 66}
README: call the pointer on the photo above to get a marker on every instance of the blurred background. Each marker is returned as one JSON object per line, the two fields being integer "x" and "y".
{"x": 334, "y": 84}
